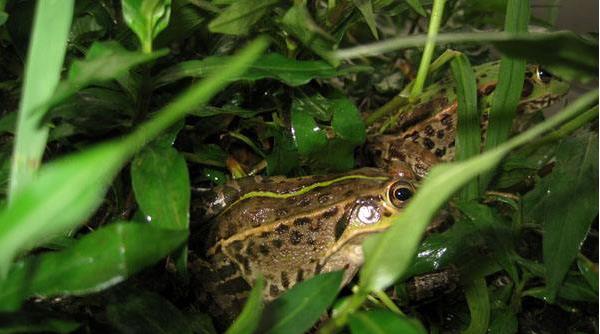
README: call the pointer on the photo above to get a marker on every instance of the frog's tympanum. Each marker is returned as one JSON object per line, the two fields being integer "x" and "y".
{"x": 290, "y": 229}
{"x": 425, "y": 134}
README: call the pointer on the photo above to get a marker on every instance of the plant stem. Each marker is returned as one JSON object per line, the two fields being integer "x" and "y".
{"x": 434, "y": 25}
{"x": 339, "y": 321}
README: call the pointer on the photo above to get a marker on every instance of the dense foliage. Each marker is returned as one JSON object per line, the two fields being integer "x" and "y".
{"x": 116, "y": 115}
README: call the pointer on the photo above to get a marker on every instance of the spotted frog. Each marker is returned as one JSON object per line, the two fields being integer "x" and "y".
{"x": 290, "y": 229}
{"x": 425, "y": 134}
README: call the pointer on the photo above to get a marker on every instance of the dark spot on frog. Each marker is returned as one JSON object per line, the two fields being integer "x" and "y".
{"x": 441, "y": 133}
{"x": 401, "y": 156}
{"x": 528, "y": 74}
{"x": 452, "y": 143}
{"x": 295, "y": 237}
{"x": 414, "y": 136}
{"x": 429, "y": 144}
{"x": 301, "y": 221}
{"x": 330, "y": 213}
{"x": 443, "y": 91}
{"x": 318, "y": 268}
{"x": 285, "y": 282}
{"x": 340, "y": 227}
{"x": 429, "y": 131}
{"x": 281, "y": 212}
{"x": 447, "y": 120}
{"x": 282, "y": 229}
{"x": 227, "y": 271}
{"x": 277, "y": 243}
{"x": 234, "y": 286}
{"x": 263, "y": 249}
{"x": 324, "y": 198}
{"x": 265, "y": 235}
{"x": 387, "y": 213}
{"x": 299, "y": 276}
{"x": 440, "y": 152}
{"x": 487, "y": 90}
{"x": 244, "y": 260}
{"x": 527, "y": 88}
{"x": 349, "y": 193}
{"x": 273, "y": 290}
{"x": 237, "y": 245}
{"x": 304, "y": 202}
{"x": 483, "y": 75}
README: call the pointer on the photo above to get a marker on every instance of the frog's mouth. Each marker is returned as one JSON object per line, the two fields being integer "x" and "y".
{"x": 530, "y": 106}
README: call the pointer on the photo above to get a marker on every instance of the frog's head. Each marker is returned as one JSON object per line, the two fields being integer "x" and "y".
{"x": 541, "y": 89}
{"x": 370, "y": 213}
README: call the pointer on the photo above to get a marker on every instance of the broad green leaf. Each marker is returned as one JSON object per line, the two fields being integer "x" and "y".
{"x": 479, "y": 306}
{"x": 387, "y": 255}
{"x": 284, "y": 156}
{"x": 95, "y": 262}
{"x": 146, "y": 18}
{"x": 298, "y": 22}
{"x": 575, "y": 172}
{"x": 104, "y": 61}
{"x": 308, "y": 136}
{"x": 347, "y": 122}
{"x": 468, "y": 138}
{"x": 46, "y": 52}
{"x": 416, "y": 6}
{"x": 510, "y": 84}
{"x": 249, "y": 319}
{"x": 68, "y": 190}
{"x": 300, "y": 307}
{"x": 274, "y": 65}
{"x": 145, "y": 312}
{"x": 383, "y": 322}
{"x": 161, "y": 185}
{"x": 240, "y": 16}
{"x": 366, "y": 9}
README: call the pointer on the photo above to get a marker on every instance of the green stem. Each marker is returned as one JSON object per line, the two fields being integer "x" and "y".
{"x": 387, "y": 301}
{"x": 337, "y": 322}
{"x": 434, "y": 25}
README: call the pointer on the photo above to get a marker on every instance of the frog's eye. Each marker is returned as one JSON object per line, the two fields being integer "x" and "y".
{"x": 544, "y": 75}
{"x": 400, "y": 193}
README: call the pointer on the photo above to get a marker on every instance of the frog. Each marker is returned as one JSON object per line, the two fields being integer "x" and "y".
{"x": 424, "y": 134}
{"x": 288, "y": 230}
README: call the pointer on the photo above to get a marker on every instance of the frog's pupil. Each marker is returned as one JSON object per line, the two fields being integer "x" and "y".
{"x": 402, "y": 194}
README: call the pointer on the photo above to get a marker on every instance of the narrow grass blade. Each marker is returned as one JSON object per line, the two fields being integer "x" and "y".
{"x": 42, "y": 73}
{"x": 510, "y": 83}
{"x": 468, "y": 141}
{"x": 249, "y": 319}
{"x": 387, "y": 255}
{"x": 479, "y": 306}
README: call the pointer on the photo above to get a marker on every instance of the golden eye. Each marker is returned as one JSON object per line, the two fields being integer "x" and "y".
{"x": 544, "y": 75}
{"x": 400, "y": 193}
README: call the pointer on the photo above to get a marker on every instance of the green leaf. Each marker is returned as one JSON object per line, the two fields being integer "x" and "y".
{"x": 300, "y": 307}
{"x": 95, "y": 262}
{"x": 68, "y": 190}
{"x": 145, "y": 312}
{"x": 36, "y": 322}
{"x": 366, "y": 9}
{"x": 589, "y": 271}
{"x": 416, "y": 6}
{"x": 468, "y": 139}
{"x": 298, "y": 22}
{"x": 104, "y": 61}
{"x": 575, "y": 172}
{"x": 347, "y": 122}
{"x": 504, "y": 321}
{"x": 382, "y": 322}
{"x": 511, "y": 77}
{"x": 308, "y": 136}
{"x": 387, "y": 255}
{"x": 479, "y": 306}
{"x": 274, "y": 66}
{"x": 146, "y": 18}
{"x": 46, "y": 52}
{"x": 161, "y": 185}
{"x": 249, "y": 319}
{"x": 240, "y": 16}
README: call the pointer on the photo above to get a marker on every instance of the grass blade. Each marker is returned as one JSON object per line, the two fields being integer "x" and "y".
{"x": 510, "y": 83}
{"x": 42, "y": 73}
{"x": 468, "y": 141}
